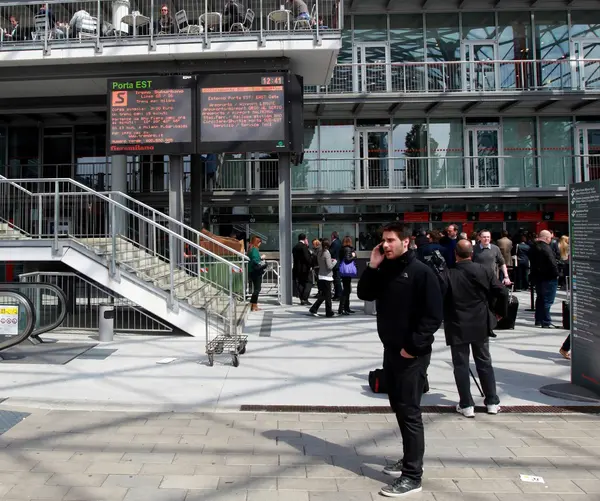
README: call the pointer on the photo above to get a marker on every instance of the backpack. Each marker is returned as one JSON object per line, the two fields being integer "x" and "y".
{"x": 437, "y": 264}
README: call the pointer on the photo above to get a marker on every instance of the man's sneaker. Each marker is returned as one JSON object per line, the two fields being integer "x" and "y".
{"x": 493, "y": 409}
{"x": 401, "y": 487}
{"x": 394, "y": 470}
{"x": 466, "y": 412}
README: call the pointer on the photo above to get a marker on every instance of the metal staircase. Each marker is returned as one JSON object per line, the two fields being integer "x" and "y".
{"x": 179, "y": 274}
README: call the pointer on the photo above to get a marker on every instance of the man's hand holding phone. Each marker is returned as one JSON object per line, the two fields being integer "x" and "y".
{"x": 377, "y": 256}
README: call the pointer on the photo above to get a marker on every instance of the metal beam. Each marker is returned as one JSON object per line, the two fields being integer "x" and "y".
{"x": 496, "y": 3}
{"x": 69, "y": 116}
{"x": 424, "y": 4}
{"x": 545, "y": 104}
{"x": 432, "y": 107}
{"x": 583, "y": 104}
{"x": 388, "y": 6}
{"x": 533, "y": 2}
{"x": 508, "y": 106}
{"x": 34, "y": 116}
{"x": 469, "y": 106}
{"x": 320, "y": 109}
{"x": 394, "y": 108}
{"x": 461, "y": 3}
{"x": 357, "y": 108}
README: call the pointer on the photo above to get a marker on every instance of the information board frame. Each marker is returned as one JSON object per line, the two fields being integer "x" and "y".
{"x": 243, "y": 80}
{"x": 153, "y": 83}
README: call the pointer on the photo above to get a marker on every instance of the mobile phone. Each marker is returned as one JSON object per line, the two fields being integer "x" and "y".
{"x": 381, "y": 251}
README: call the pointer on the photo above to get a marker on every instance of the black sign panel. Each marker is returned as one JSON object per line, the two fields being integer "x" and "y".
{"x": 152, "y": 115}
{"x": 584, "y": 222}
{"x": 245, "y": 112}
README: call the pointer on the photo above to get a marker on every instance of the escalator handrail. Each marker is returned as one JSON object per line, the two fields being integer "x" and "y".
{"x": 30, "y": 315}
{"x": 62, "y": 298}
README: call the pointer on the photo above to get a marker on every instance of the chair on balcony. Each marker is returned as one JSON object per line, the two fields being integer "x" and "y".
{"x": 184, "y": 26}
{"x": 41, "y": 32}
{"x": 88, "y": 27}
{"x": 246, "y": 25}
{"x": 306, "y": 24}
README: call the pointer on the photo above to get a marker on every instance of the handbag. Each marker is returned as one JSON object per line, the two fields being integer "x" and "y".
{"x": 348, "y": 269}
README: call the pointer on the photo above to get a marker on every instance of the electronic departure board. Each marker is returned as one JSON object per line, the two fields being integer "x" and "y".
{"x": 248, "y": 112}
{"x": 153, "y": 115}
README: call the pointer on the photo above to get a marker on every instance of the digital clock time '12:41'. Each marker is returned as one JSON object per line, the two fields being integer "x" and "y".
{"x": 271, "y": 81}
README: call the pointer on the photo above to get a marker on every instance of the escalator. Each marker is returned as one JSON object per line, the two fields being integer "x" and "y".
{"x": 20, "y": 323}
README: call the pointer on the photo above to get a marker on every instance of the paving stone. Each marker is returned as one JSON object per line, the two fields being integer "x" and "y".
{"x": 551, "y": 486}
{"x": 24, "y": 477}
{"x": 576, "y": 497}
{"x": 489, "y": 452}
{"x": 530, "y": 497}
{"x": 278, "y": 496}
{"x": 29, "y": 491}
{"x": 365, "y": 484}
{"x": 506, "y": 473}
{"x": 170, "y": 469}
{"x": 450, "y": 473}
{"x": 115, "y": 468}
{"x": 556, "y": 473}
{"x": 152, "y": 457}
{"x": 344, "y": 496}
{"x": 296, "y": 471}
{"x": 488, "y": 485}
{"x": 149, "y": 494}
{"x": 189, "y": 482}
{"x": 197, "y": 459}
{"x": 466, "y": 496}
{"x": 304, "y": 484}
{"x": 95, "y": 494}
{"x": 4, "y": 488}
{"x": 244, "y": 459}
{"x": 129, "y": 481}
{"x": 76, "y": 479}
{"x": 248, "y": 483}
{"x": 16, "y": 464}
{"x": 329, "y": 471}
{"x": 286, "y": 459}
{"x": 223, "y": 495}
{"x": 104, "y": 457}
{"x": 589, "y": 486}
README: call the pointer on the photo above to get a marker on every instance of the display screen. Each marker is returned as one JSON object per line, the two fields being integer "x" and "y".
{"x": 237, "y": 110}
{"x": 151, "y": 115}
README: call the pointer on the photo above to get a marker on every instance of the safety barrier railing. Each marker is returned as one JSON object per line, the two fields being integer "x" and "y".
{"x": 462, "y": 76}
{"x": 124, "y": 236}
{"x": 83, "y": 302}
{"x": 30, "y": 24}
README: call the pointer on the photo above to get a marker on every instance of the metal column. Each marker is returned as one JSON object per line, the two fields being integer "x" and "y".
{"x": 285, "y": 228}
{"x": 118, "y": 178}
{"x": 196, "y": 208}
{"x": 176, "y": 201}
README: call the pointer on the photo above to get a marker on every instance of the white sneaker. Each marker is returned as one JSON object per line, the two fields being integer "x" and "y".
{"x": 493, "y": 409}
{"x": 466, "y": 412}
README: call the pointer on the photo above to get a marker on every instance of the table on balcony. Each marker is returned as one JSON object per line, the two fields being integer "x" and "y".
{"x": 278, "y": 18}
{"x": 212, "y": 20}
{"x": 136, "y": 20}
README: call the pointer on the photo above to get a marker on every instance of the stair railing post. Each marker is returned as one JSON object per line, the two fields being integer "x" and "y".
{"x": 56, "y": 210}
{"x": 40, "y": 219}
{"x": 172, "y": 257}
{"x": 231, "y": 307}
{"x": 113, "y": 236}
{"x": 154, "y": 233}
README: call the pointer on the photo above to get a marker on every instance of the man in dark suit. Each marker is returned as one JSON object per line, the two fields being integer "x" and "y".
{"x": 334, "y": 250}
{"x": 474, "y": 301}
{"x": 302, "y": 269}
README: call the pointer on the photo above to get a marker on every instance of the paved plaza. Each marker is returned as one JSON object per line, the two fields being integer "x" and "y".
{"x": 116, "y": 425}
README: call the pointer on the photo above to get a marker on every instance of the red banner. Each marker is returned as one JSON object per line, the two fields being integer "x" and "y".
{"x": 416, "y": 217}
{"x": 531, "y": 216}
{"x": 491, "y": 217}
{"x": 456, "y": 217}
{"x": 561, "y": 216}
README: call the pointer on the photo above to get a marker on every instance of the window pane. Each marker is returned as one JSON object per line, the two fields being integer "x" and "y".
{"x": 557, "y": 151}
{"x": 443, "y": 37}
{"x": 406, "y": 38}
{"x": 269, "y": 230}
{"x": 552, "y": 46}
{"x": 446, "y": 146}
{"x": 479, "y": 26}
{"x": 410, "y": 152}
{"x": 585, "y": 23}
{"x": 370, "y": 28}
{"x": 519, "y": 147}
{"x": 337, "y": 155}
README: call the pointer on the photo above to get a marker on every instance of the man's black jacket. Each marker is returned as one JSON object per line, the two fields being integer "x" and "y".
{"x": 334, "y": 250}
{"x": 542, "y": 262}
{"x": 302, "y": 261}
{"x": 409, "y": 303}
{"x": 474, "y": 296}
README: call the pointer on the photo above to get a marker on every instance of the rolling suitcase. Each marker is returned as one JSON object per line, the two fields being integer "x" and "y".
{"x": 508, "y": 322}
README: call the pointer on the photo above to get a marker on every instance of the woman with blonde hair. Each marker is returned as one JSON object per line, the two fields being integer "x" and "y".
{"x": 563, "y": 247}
{"x": 256, "y": 267}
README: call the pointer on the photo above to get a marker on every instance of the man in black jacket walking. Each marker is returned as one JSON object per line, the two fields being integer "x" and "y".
{"x": 544, "y": 275}
{"x": 409, "y": 312}
{"x": 473, "y": 290}
{"x": 302, "y": 266}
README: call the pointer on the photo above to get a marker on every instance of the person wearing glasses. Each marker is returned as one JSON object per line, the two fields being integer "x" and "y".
{"x": 164, "y": 24}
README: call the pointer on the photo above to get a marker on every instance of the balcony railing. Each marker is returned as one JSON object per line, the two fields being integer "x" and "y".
{"x": 26, "y": 25}
{"x": 462, "y": 76}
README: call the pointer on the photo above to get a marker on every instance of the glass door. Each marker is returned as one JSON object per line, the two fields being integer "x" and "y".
{"x": 483, "y": 157}
{"x": 587, "y": 54}
{"x": 372, "y": 71}
{"x": 589, "y": 146}
{"x": 480, "y": 72}
{"x": 374, "y": 158}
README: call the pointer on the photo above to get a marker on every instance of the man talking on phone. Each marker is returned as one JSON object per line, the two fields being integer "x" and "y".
{"x": 409, "y": 312}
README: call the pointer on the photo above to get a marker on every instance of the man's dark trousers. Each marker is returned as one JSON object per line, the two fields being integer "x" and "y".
{"x": 483, "y": 363}
{"x": 405, "y": 379}
{"x": 304, "y": 287}
{"x": 546, "y": 294}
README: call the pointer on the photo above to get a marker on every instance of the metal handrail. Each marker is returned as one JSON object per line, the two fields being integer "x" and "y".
{"x": 113, "y": 203}
{"x": 30, "y": 315}
{"x": 57, "y": 290}
{"x": 179, "y": 223}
